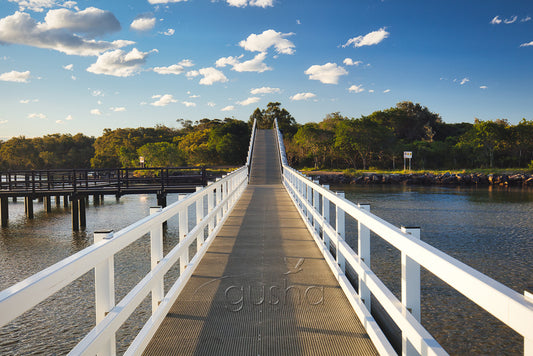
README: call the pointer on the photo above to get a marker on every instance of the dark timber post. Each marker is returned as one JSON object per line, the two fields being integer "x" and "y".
{"x": 4, "y": 211}
{"x": 74, "y": 212}
{"x": 47, "y": 203}
{"x": 81, "y": 211}
{"x": 28, "y": 207}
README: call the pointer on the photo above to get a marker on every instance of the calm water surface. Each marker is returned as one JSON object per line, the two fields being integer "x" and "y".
{"x": 490, "y": 230}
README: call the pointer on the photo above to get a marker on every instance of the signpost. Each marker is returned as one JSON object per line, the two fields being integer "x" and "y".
{"x": 407, "y": 155}
{"x": 141, "y": 161}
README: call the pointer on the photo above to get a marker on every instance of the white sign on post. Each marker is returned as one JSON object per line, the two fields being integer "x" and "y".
{"x": 407, "y": 155}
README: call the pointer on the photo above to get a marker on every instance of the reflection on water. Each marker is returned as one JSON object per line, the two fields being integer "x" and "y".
{"x": 490, "y": 230}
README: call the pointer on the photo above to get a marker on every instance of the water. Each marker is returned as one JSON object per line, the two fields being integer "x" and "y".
{"x": 488, "y": 229}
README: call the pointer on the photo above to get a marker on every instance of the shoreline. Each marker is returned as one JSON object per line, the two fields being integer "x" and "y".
{"x": 444, "y": 179}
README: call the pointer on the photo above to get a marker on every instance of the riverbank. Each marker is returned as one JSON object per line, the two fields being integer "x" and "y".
{"x": 426, "y": 178}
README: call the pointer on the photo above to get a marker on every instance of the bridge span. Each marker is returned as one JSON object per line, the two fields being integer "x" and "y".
{"x": 265, "y": 270}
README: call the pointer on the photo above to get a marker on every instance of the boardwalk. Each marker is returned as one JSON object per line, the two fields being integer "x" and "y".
{"x": 263, "y": 287}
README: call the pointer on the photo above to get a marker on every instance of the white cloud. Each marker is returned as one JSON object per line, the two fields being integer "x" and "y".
{"x": 211, "y": 104}
{"x": 175, "y": 68}
{"x": 244, "y": 3}
{"x": 169, "y": 32}
{"x": 267, "y": 39}
{"x": 356, "y": 89}
{"x": 69, "y": 117}
{"x": 69, "y": 67}
{"x": 188, "y": 104}
{"x": 191, "y": 74}
{"x": 496, "y": 20}
{"x": 510, "y": 20}
{"x": 483, "y": 87}
{"x": 265, "y": 90}
{"x": 97, "y": 93}
{"x": 119, "y": 63}
{"x": 73, "y": 77}
{"x": 61, "y": 31}
{"x": 14, "y": 76}
{"x": 253, "y": 65}
{"x": 24, "y": 101}
{"x": 328, "y": 73}
{"x": 164, "y": 100}
{"x": 350, "y": 62}
{"x": 302, "y": 96}
{"x": 228, "y": 108}
{"x": 526, "y": 19}
{"x": 3, "y": 122}
{"x": 371, "y": 90}
{"x": 118, "y": 109}
{"x": 40, "y": 5}
{"x": 251, "y": 100}
{"x": 386, "y": 91}
{"x": 464, "y": 81}
{"x": 37, "y": 116}
{"x": 210, "y": 76}
{"x": 528, "y": 44}
{"x": 96, "y": 112}
{"x": 144, "y": 22}
{"x": 154, "y": 2}
{"x": 370, "y": 39}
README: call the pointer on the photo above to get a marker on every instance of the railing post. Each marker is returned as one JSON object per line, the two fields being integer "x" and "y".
{"x": 104, "y": 286}
{"x": 210, "y": 207}
{"x": 410, "y": 287}
{"x": 316, "y": 206}
{"x": 156, "y": 254}
{"x": 183, "y": 231}
{"x": 340, "y": 229}
{"x": 309, "y": 199}
{"x": 363, "y": 247}
{"x": 199, "y": 218}
{"x": 218, "y": 200}
{"x": 325, "y": 216}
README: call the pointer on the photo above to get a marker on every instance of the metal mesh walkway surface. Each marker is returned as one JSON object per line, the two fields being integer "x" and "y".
{"x": 263, "y": 287}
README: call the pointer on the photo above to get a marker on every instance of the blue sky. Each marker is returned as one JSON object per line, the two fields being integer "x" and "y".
{"x": 82, "y": 66}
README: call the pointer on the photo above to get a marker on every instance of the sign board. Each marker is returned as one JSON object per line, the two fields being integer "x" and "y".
{"x": 141, "y": 159}
{"x": 407, "y": 154}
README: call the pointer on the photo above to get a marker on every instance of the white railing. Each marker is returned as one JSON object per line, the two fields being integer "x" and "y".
{"x": 313, "y": 202}
{"x": 220, "y": 198}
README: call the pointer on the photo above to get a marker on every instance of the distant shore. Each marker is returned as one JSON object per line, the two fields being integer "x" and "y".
{"x": 445, "y": 179}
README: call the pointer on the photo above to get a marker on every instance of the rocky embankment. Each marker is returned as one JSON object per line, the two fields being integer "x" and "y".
{"x": 518, "y": 180}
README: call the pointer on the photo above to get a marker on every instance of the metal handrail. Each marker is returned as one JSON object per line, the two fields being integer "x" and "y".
{"x": 512, "y": 308}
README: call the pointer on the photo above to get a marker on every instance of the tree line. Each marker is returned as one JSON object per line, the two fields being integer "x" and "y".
{"x": 374, "y": 141}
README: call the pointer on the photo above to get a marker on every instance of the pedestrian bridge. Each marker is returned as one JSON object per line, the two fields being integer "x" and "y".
{"x": 265, "y": 270}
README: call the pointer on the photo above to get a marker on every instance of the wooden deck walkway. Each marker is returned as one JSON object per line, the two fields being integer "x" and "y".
{"x": 263, "y": 287}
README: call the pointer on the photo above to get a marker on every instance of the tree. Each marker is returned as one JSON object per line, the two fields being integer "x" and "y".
{"x": 20, "y": 153}
{"x": 162, "y": 154}
{"x": 315, "y": 141}
{"x": 230, "y": 141}
{"x": 265, "y": 119}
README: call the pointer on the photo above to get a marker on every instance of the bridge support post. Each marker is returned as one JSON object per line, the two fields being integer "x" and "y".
{"x": 58, "y": 200}
{"x": 28, "y": 207}
{"x": 156, "y": 252}
{"x": 65, "y": 201}
{"x": 104, "y": 287}
{"x": 410, "y": 287}
{"x": 47, "y": 203}
{"x": 82, "y": 212}
{"x": 325, "y": 216}
{"x": 363, "y": 247}
{"x": 4, "y": 211}
{"x": 74, "y": 213}
{"x": 199, "y": 218}
{"x": 183, "y": 231}
{"x": 340, "y": 228}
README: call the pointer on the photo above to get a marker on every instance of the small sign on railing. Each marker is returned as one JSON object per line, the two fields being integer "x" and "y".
{"x": 407, "y": 155}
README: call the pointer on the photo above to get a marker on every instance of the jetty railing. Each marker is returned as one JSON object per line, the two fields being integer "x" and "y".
{"x": 313, "y": 202}
{"x": 213, "y": 204}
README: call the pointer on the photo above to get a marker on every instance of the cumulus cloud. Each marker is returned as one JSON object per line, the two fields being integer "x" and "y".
{"x": 510, "y": 20}
{"x": 119, "y": 63}
{"x": 528, "y": 44}
{"x": 2, "y": 122}
{"x": 40, "y": 5}
{"x": 356, "y": 89}
{"x": 175, "y": 68}
{"x": 302, "y": 96}
{"x": 69, "y": 67}
{"x": 483, "y": 87}
{"x": 526, "y": 19}
{"x": 188, "y": 104}
{"x": 210, "y": 76}
{"x": 143, "y": 22}
{"x": 155, "y": 2}
{"x": 118, "y": 109}
{"x": 228, "y": 108}
{"x": 328, "y": 73}
{"x": 265, "y": 90}
{"x": 386, "y": 91}
{"x": 496, "y": 20}
{"x": 69, "y": 117}
{"x": 370, "y": 39}
{"x": 244, "y": 3}
{"x": 249, "y": 101}
{"x": 61, "y": 31}
{"x": 164, "y": 100}
{"x": 211, "y": 104}
{"x": 267, "y": 39}
{"x": 464, "y": 81}
{"x": 14, "y": 76}
{"x": 96, "y": 112}
{"x": 350, "y": 62}
{"x": 37, "y": 116}
{"x": 169, "y": 32}
{"x": 253, "y": 65}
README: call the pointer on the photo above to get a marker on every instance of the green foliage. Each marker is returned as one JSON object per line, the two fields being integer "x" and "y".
{"x": 265, "y": 119}
{"x": 162, "y": 154}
